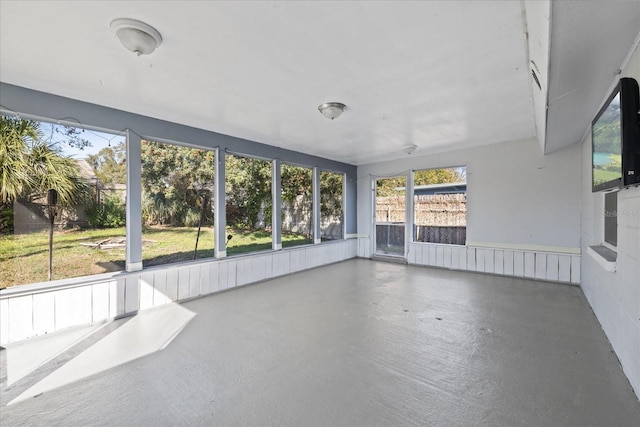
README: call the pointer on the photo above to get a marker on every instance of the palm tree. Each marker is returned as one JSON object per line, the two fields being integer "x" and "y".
{"x": 15, "y": 136}
{"x": 29, "y": 167}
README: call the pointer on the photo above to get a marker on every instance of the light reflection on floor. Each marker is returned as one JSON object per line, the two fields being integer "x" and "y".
{"x": 139, "y": 336}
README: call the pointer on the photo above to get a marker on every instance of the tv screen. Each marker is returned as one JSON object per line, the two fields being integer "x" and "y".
{"x": 606, "y": 134}
{"x": 615, "y": 136}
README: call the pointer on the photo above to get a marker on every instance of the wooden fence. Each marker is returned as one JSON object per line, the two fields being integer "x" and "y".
{"x": 438, "y": 218}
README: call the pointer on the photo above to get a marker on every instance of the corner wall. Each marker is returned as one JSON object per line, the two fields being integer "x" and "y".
{"x": 521, "y": 205}
{"x": 614, "y": 296}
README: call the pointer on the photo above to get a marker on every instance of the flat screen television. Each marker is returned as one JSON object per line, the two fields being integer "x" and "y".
{"x": 615, "y": 136}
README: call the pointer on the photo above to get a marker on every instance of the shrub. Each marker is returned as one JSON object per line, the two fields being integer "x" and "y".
{"x": 110, "y": 214}
{"x": 6, "y": 218}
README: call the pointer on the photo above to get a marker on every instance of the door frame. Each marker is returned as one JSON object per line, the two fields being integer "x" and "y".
{"x": 408, "y": 214}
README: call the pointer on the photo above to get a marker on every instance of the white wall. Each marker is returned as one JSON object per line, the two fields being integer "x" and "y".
{"x": 614, "y": 296}
{"x": 517, "y": 198}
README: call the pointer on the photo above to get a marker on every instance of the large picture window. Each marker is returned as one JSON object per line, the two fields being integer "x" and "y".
{"x": 248, "y": 204}
{"x": 297, "y": 205}
{"x": 177, "y": 203}
{"x": 62, "y": 202}
{"x": 331, "y": 205}
{"x": 440, "y": 205}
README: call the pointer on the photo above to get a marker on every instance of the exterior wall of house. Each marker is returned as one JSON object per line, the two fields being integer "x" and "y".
{"x": 614, "y": 295}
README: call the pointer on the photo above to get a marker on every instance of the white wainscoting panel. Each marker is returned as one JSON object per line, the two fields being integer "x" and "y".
{"x": 564, "y": 268}
{"x": 548, "y": 266}
{"x": 132, "y": 294}
{"x": 4, "y": 319}
{"x": 183, "y": 283}
{"x": 99, "y": 301}
{"x": 471, "y": 259}
{"x": 194, "y": 281}
{"x": 553, "y": 267}
{"x": 146, "y": 290}
{"x": 364, "y": 247}
{"x": 447, "y": 256}
{"x": 116, "y": 298}
{"x": 173, "y": 276}
{"x": 507, "y": 262}
{"x": 498, "y": 265}
{"x": 480, "y": 258}
{"x": 540, "y": 271}
{"x": 44, "y": 314}
{"x": 575, "y": 269}
{"x": 36, "y": 310}
{"x": 518, "y": 264}
{"x": 20, "y": 310}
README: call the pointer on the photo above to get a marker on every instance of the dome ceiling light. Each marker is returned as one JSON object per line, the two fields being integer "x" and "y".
{"x": 138, "y": 37}
{"x": 332, "y": 110}
{"x": 409, "y": 148}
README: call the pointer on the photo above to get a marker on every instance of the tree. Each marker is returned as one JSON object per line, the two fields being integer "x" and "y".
{"x": 248, "y": 191}
{"x": 331, "y": 194}
{"x": 176, "y": 181}
{"x": 296, "y": 181}
{"x": 395, "y": 186}
{"x": 437, "y": 176}
{"x": 110, "y": 164}
{"x": 16, "y": 135}
{"x": 386, "y": 187}
{"x": 29, "y": 166}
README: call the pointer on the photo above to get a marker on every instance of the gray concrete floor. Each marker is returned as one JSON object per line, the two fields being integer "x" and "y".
{"x": 356, "y": 343}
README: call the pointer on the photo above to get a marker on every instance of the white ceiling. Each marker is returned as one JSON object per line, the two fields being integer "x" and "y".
{"x": 440, "y": 75}
{"x": 589, "y": 43}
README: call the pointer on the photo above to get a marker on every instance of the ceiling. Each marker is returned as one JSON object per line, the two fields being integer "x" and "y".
{"x": 589, "y": 43}
{"x": 441, "y": 75}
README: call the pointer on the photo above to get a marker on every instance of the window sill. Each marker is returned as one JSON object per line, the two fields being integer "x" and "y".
{"x": 604, "y": 256}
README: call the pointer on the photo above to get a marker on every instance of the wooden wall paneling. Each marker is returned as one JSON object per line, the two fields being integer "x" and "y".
{"x": 44, "y": 317}
{"x": 99, "y": 301}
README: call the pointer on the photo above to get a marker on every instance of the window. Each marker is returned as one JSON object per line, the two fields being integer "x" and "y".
{"x": 440, "y": 205}
{"x": 248, "y": 204}
{"x": 611, "y": 218}
{"x": 297, "y": 205}
{"x": 63, "y": 188}
{"x": 177, "y": 203}
{"x": 331, "y": 205}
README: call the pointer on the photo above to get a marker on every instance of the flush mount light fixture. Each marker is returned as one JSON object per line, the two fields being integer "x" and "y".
{"x": 138, "y": 37}
{"x": 409, "y": 148}
{"x": 332, "y": 110}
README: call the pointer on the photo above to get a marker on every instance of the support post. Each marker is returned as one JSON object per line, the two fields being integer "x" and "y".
{"x": 276, "y": 207}
{"x": 220, "y": 222}
{"x": 316, "y": 206}
{"x": 134, "y": 202}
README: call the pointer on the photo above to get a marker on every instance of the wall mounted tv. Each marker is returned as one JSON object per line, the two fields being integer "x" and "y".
{"x": 615, "y": 136}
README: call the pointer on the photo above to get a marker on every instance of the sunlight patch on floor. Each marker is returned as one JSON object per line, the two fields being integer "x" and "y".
{"x": 140, "y": 336}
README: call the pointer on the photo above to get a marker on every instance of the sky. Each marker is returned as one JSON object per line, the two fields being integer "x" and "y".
{"x": 98, "y": 140}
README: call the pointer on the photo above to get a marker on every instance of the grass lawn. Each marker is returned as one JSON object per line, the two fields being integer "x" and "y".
{"x": 24, "y": 258}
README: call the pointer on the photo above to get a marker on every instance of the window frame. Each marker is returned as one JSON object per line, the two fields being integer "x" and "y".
{"x": 343, "y": 201}
{"x": 72, "y": 123}
{"x": 181, "y": 144}
{"x": 412, "y": 205}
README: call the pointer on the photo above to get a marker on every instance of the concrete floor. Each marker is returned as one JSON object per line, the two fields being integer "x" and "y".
{"x": 356, "y": 343}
